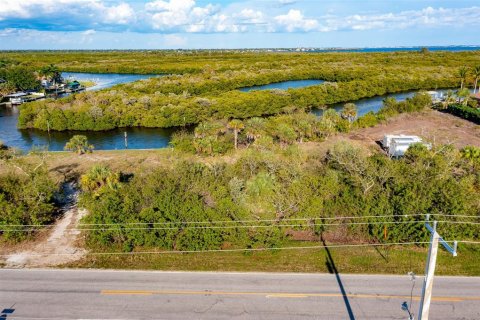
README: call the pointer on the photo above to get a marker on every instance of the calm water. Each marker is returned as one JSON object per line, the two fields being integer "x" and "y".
{"x": 284, "y": 85}
{"x": 395, "y": 49}
{"x": 138, "y": 138}
{"x": 374, "y": 104}
{"x": 105, "y": 80}
{"x": 143, "y": 138}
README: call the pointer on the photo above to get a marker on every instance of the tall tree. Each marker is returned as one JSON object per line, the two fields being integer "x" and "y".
{"x": 22, "y": 78}
{"x": 463, "y": 96}
{"x": 462, "y": 74}
{"x": 476, "y": 77}
{"x": 236, "y": 126}
{"x": 52, "y": 72}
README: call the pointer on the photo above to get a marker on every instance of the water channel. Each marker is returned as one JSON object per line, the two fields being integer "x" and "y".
{"x": 140, "y": 138}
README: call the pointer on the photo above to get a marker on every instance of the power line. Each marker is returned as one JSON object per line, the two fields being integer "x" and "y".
{"x": 244, "y": 221}
{"x": 235, "y": 227}
{"x": 120, "y": 228}
{"x": 243, "y": 249}
{"x": 227, "y": 250}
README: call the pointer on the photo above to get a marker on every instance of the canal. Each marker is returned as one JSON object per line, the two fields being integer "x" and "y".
{"x": 141, "y": 138}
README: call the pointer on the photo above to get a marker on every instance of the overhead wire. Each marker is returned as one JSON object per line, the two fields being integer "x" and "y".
{"x": 240, "y": 249}
{"x": 246, "y": 221}
{"x": 186, "y": 227}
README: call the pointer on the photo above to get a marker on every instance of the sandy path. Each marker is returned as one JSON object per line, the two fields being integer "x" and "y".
{"x": 60, "y": 246}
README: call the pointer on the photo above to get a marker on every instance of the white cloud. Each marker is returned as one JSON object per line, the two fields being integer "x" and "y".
{"x": 295, "y": 21}
{"x": 121, "y": 14}
{"x": 427, "y": 17}
{"x": 188, "y": 16}
{"x": 74, "y": 14}
{"x": 185, "y": 16}
{"x": 250, "y": 16}
{"x": 172, "y": 5}
{"x": 90, "y": 32}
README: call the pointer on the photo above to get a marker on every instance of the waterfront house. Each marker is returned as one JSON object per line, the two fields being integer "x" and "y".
{"x": 16, "y": 98}
{"x": 73, "y": 85}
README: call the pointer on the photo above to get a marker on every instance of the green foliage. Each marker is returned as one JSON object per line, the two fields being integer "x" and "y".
{"x": 465, "y": 112}
{"x": 182, "y": 141}
{"x": 206, "y": 91}
{"x": 30, "y": 204}
{"x": 22, "y": 78}
{"x": 162, "y": 204}
{"x": 6, "y": 88}
{"x": 51, "y": 72}
{"x": 417, "y": 103}
{"x": 79, "y": 144}
{"x": 211, "y": 138}
{"x": 349, "y": 112}
{"x": 98, "y": 179}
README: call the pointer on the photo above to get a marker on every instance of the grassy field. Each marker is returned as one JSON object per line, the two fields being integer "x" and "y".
{"x": 384, "y": 260}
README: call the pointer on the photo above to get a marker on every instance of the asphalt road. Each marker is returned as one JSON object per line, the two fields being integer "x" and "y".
{"x": 94, "y": 294}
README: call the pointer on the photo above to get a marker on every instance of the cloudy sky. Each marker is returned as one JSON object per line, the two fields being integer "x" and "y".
{"x": 161, "y": 24}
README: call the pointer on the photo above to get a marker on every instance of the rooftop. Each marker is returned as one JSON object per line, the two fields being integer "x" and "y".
{"x": 16, "y": 95}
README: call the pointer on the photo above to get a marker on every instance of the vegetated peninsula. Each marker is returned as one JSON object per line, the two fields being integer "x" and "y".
{"x": 202, "y": 85}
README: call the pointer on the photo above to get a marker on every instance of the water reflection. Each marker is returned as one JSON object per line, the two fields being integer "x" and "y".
{"x": 284, "y": 85}
{"x": 138, "y": 138}
{"x": 374, "y": 104}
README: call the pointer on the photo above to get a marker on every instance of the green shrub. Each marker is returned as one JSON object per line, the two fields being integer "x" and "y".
{"x": 79, "y": 144}
{"x": 465, "y": 112}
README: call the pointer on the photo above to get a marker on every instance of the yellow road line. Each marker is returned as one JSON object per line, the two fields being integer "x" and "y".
{"x": 278, "y": 294}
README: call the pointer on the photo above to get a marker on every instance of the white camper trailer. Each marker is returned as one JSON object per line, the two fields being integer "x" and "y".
{"x": 397, "y": 145}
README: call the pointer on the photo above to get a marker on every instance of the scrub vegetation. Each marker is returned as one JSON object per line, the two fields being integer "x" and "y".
{"x": 241, "y": 178}
{"x": 27, "y": 194}
{"x": 201, "y": 86}
{"x": 250, "y": 203}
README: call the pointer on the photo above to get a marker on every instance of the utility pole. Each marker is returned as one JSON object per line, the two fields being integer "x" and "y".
{"x": 430, "y": 268}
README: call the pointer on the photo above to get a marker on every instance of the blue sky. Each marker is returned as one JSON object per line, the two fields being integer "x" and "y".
{"x": 172, "y": 24}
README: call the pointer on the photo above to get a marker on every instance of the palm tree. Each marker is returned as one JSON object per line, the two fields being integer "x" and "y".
{"x": 254, "y": 128}
{"x": 236, "y": 126}
{"x": 79, "y": 144}
{"x": 463, "y": 96}
{"x": 449, "y": 99}
{"x": 462, "y": 74}
{"x": 98, "y": 177}
{"x": 476, "y": 77}
{"x": 349, "y": 112}
{"x": 51, "y": 72}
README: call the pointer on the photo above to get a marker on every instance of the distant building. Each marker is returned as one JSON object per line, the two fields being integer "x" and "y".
{"x": 73, "y": 85}
{"x": 16, "y": 98}
{"x": 2, "y": 80}
{"x": 46, "y": 83}
{"x": 397, "y": 145}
